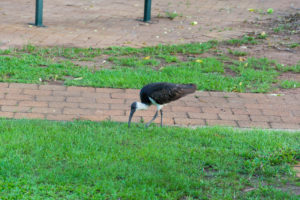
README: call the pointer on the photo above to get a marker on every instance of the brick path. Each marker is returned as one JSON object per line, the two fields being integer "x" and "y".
{"x": 243, "y": 110}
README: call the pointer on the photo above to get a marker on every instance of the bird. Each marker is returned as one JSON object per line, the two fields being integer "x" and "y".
{"x": 159, "y": 94}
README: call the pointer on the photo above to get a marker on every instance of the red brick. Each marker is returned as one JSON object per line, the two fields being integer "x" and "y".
{"x": 185, "y": 109}
{"x": 94, "y": 105}
{"x": 20, "y": 85}
{"x": 142, "y": 113}
{"x": 202, "y": 94}
{"x": 52, "y": 87}
{"x": 277, "y": 112}
{"x": 264, "y": 118}
{"x": 223, "y": 94}
{"x": 110, "y": 112}
{"x": 216, "y": 110}
{"x": 50, "y": 98}
{"x": 29, "y": 116}
{"x": 80, "y": 99}
{"x": 66, "y": 93}
{"x": 15, "y": 108}
{"x": 110, "y": 90}
{"x": 174, "y": 114}
{"x": 285, "y": 125}
{"x": 63, "y": 105}
{"x": 33, "y": 103}
{"x": 125, "y": 96}
{"x": 94, "y": 117}
{"x": 251, "y": 124}
{"x": 7, "y": 114}
{"x": 243, "y": 111}
{"x": 203, "y": 115}
{"x": 78, "y": 111}
{"x": 221, "y": 123}
{"x": 10, "y": 90}
{"x": 61, "y": 117}
{"x": 3, "y": 85}
{"x": 252, "y": 95}
{"x": 124, "y": 118}
{"x": 46, "y": 110}
{"x": 95, "y": 95}
{"x": 37, "y": 92}
{"x": 179, "y": 103}
{"x": 132, "y": 91}
{"x": 233, "y": 117}
{"x": 241, "y": 100}
{"x": 81, "y": 89}
{"x": 8, "y": 102}
{"x": 19, "y": 97}
{"x": 296, "y": 113}
{"x": 110, "y": 101}
{"x": 289, "y": 119}
{"x": 120, "y": 106}
{"x": 186, "y": 121}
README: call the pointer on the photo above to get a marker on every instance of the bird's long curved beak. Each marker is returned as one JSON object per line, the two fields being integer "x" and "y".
{"x": 130, "y": 117}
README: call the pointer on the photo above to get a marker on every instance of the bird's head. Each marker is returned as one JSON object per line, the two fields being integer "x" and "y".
{"x": 134, "y": 107}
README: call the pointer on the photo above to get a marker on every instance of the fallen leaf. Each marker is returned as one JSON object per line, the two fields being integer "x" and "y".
{"x": 79, "y": 78}
{"x": 199, "y": 61}
{"x": 147, "y": 58}
{"x": 251, "y": 9}
{"x": 242, "y": 59}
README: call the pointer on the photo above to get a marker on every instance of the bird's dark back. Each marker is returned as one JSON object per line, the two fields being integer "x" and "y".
{"x": 164, "y": 93}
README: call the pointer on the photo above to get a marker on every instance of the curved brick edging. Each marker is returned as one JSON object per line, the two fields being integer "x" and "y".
{"x": 242, "y": 110}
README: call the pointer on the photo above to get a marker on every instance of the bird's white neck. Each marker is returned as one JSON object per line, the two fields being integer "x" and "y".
{"x": 141, "y": 106}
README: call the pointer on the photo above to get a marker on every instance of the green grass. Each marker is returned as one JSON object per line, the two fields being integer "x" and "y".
{"x": 289, "y": 84}
{"x": 134, "y": 67}
{"x": 86, "y": 160}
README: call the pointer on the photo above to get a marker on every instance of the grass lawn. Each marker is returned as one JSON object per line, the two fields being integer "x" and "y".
{"x": 87, "y": 160}
{"x": 125, "y": 67}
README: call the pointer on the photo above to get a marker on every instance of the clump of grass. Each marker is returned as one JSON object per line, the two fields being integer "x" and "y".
{"x": 172, "y": 15}
{"x": 88, "y": 160}
{"x": 287, "y": 84}
{"x": 244, "y": 40}
{"x": 237, "y": 53}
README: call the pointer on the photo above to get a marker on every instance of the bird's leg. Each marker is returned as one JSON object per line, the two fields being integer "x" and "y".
{"x": 161, "y": 119}
{"x": 154, "y": 117}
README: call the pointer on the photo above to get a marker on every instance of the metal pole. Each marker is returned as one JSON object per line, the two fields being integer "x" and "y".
{"x": 147, "y": 11}
{"x": 39, "y": 13}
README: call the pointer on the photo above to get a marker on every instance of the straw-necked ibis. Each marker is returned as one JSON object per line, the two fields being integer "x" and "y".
{"x": 159, "y": 94}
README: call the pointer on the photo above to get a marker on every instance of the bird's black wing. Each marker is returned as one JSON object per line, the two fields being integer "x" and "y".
{"x": 163, "y": 93}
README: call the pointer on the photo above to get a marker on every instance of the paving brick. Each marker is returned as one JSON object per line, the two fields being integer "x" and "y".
{"x": 96, "y": 118}
{"x": 3, "y": 85}
{"x": 94, "y": 105}
{"x": 20, "y": 85}
{"x": 296, "y": 113}
{"x": 50, "y": 98}
{"x": 29, "y": 116}
{"x": 80, "y": 89}
{"x": 61, "y": 117}
{"x": 120, "y": 106}
{"x": 6, "y": 114}
{"x": 52, "y": 87}
{"x": 95, "y": 95}
{"x": 78, "y": 111}
{"x": 124, "y": 96}
{"x": 264, "y": 118}
{"x": 277, "y": 112}
{"x": 111, "y": 90}
{"x": 224, "y": 94}
{"x": 110, "y": 101}
{"x": 166, "y": 120}
{"x": 252, "y": 95}
{"x": 33, "y": 103}
{"x": 291, "y": 119}
{"x": 124, "y": 118}
{"x": 67, "y": 93}
{"x": 233, "y": 117}
{"x": 37, "y": 92}
{"x": 15, "y": 108}
{"x": 221, "y": 123}
{"x": 80, "y": 100}
{"x": 46, "y": 110}
{"x": 244, "y": 111}
{"x": 203, "y": 115}
{"x": 185, "y": 109}
{"x": 216, "y": 110}
{"x": 186, "y": 121}
{"x": 251, "y": 124}
{"x": 110, "y": 112}
{"x": 63, "y": 105}
{"x": 10, "y": 90}
{"x": 202, "y": 93}
{"x": 19, "y": 97}
{"x": 5, "y": 102}
{"x": 285, "y": 126}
